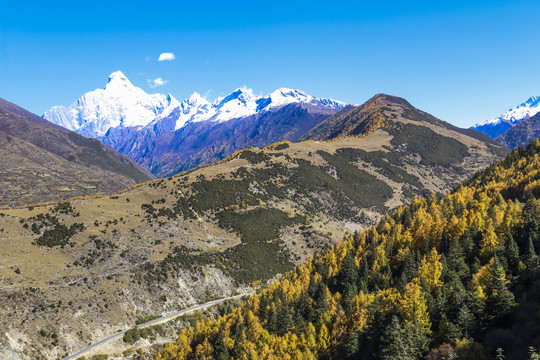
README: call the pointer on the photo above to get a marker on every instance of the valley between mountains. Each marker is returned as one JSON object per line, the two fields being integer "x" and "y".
{"x": 78, "y": 270}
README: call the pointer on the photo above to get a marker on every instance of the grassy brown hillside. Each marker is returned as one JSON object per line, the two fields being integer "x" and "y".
{"x": 40, "y": 162}
{"x": 392, "y": 114}
{"x": 82, "y": 269}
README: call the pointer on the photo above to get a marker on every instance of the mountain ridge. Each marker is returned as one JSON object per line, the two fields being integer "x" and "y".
{"x": 120, "y": 94}
{"x": 375, "y": 114}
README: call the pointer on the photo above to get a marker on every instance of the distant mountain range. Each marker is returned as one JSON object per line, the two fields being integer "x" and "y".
{"x": 498, "y": 126}
{"x": 122, "y": 105}
{"x": 40, "y": 161}
{"x": 167, "y": 136}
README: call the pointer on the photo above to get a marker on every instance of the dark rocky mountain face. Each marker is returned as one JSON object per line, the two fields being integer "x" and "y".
{"x": 166, "y": 152}
{"x": 521, "y": 134}
{"x": 43, "y": 162}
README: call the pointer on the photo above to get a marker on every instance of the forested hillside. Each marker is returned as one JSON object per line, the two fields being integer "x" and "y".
{"x": 442, "y": 278}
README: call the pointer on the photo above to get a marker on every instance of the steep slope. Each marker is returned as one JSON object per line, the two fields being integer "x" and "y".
{"x": 41, "y": 162}
{"x": 451, "y": 278}
{"x": 521, "y": 134}
{"x": 498, "y": 126}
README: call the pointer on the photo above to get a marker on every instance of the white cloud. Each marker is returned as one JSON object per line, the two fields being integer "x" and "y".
{"x": 166, "y": 57}
{"x": 156, "y": 82}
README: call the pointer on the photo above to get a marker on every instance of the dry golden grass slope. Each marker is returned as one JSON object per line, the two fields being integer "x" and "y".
{"x": 74, "y": 272}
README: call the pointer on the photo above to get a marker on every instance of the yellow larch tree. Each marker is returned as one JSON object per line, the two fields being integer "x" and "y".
{"x": 323, "y": 338}
{"x": 413, "y": 306}
{"x": 489, "y": 241}
{"x": 431, "y": 269}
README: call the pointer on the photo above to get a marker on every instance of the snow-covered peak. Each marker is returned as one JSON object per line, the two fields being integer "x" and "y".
{"x": 196, "y": 100}
{"x": 284, "y": 96}
{"x": 525, "y": 110}
{"x": 119, "y": 105}
{"x": 194, "y": 108}
{"x": 118, "y": 76}
{"x": 242, "y": 102}
{"x": 118, "y": 85}
{"x": 515, "y": 115}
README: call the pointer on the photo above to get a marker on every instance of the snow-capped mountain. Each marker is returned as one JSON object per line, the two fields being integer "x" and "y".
{"x": 499, "y": 125}
{"x": 122, "y": 105}
{"x": 242, "y": 102}
{"x": 167, "y": 136}
{"x": 119, "y": 105}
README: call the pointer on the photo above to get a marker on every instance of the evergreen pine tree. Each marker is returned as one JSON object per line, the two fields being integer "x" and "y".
{"x": 445, "y": 241}
{"x": 500, "y": 301}
{"x": 221, "y": 351}
{"x": 531, "y": 230}
{"x": 410, "y": 268}
{"x": 394, "y": 345}
{"x": 531, "y": 260}
{"x": 348, "y": 275}
{"x": 363, "y": 275}
{"x": 271, "y": 320}
{"x": 511, "y": 252}
{"x": 466, "y": 321}
{"x": 455, "y": 261}
{"x": 350, "y": 346}
{"x": 284, "y": 321}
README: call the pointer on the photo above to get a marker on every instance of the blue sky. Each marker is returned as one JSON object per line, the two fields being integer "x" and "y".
{"x": 462, "y": 61}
